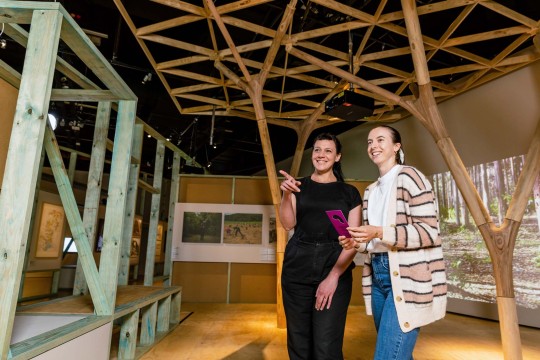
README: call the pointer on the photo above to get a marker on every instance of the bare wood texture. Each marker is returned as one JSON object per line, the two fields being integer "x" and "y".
{"x": 173, "y": 199}
{"x": 508, "y": 323}
{"x": 75, "y": 223}
{"x": 228, "y": 17}
{"x": 116, "y": 200}
{"x": 93, "y": 190}
{"x": 500, "y": 241}
{"x": 125, "y": 254}
{"x": 154, "y": 215}
{"x": 19, "y": 183}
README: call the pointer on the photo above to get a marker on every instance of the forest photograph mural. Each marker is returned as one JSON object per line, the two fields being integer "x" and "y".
{"x": 469, "y": 265}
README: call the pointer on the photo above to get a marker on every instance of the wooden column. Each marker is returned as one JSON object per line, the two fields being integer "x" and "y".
{"x": 93, "y": 188}
{"x": 125, "y": 252}
{"x": 75, "y": 223}
{"x": 253, "y": 86}
{"x": 116, "y": 200}
{"x": 154, "y": 215}
{"x": 499, "y": 240}
{"x": 173, "y": 199}
{"x": 22, "y": 163}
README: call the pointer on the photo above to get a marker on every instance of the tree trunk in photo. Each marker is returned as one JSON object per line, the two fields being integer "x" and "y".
{"x": 499, "y": 190}
{"x": 444, "y": 195}
{"x": 518, "y": 166}
{"x": 457, "y": 206}
{"x": 485, "y": 185}
{"x": 536, "y": 195}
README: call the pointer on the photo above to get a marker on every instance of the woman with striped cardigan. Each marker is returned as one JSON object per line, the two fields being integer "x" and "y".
{"x": 404, "y": 277}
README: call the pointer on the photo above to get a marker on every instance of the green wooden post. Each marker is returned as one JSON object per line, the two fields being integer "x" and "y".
{"x": 22, "y": 163}
{"x": 125, "y": 252}
{"x": 164, "y": 314}
{"x": 173, "y": 199}
{"x": 148, "y": 324}
{"x": 176, "y": 305}
{"x": 128, "y": 336}
{"x": 154, "y": 216}
{"x": 116, "y": 200}
{"x": 75, "y": 223}
{"x": 32, "y": 223}
{"x": 93, "y": 189}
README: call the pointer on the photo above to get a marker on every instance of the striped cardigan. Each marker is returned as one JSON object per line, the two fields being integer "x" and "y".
{"x": 415, "y": 254}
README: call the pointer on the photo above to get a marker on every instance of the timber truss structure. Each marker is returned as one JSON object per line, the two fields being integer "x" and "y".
{"x": 277, "y": 62}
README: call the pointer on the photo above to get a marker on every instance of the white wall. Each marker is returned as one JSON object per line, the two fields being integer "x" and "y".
{"x": 493, "y": 121}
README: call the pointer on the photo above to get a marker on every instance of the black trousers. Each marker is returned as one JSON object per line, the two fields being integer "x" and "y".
{"x": 313, "y": 334}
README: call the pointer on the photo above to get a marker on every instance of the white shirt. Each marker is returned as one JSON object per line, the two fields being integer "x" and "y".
{"x": 378, "y": 205}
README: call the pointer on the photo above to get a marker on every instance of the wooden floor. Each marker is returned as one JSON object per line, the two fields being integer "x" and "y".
{"x": 248, "y": 331}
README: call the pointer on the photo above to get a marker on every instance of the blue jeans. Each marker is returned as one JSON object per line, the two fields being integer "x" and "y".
{"x": 392, "y": 343}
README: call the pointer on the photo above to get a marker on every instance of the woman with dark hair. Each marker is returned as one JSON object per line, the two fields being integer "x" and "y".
{"x": 404, "y": 278}
{"x": 316, "y": 277}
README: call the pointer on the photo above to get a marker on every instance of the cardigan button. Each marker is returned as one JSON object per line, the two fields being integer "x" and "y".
{"x": 406, "y": 324}
{"x": 398, "y": 298}
{"x": 395, "y": 273}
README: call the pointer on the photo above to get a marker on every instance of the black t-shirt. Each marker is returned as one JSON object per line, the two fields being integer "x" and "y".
{"x": 315, "y": 198}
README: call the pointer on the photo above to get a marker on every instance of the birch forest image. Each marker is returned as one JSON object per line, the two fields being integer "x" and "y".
{"x": 468, "y": 262}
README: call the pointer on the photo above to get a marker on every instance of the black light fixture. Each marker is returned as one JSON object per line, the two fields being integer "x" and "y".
{"x": 147, "y": 78}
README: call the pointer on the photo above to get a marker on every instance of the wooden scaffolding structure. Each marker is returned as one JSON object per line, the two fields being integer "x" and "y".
{"x": 103, "y": 294}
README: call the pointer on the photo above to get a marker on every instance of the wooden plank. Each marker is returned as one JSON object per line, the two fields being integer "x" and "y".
{"x": 128, "y": 336}
{"x": 147, "y": 187}
{"x": 173, "y": 199}
{"x": 78, "y": 41}
{"x": 19, "y": 183}
{"x": 148, "y": 324}
{"x": 22, "y": 11}
{"x": 48, "y": 340}
{"x": 116, "y": 200}
{"x": 163, "y": 314}
{"x": 10, "y": 75}
{"x": 167, "y": 24}
{"x": 125, "y": 253}
{"x": 83, "y": 95}
{"x": 176, "y": 302}
{"x": 76, "y": 225}
{"x": 93, "y": 190}
{"x": 154, "y": 215}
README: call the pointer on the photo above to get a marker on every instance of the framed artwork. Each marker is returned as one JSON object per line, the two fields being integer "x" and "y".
{"x": 224, "y": 233}
{"x": 159, "y": 240}
{"x": 50, "y": 233}
{"x": 201, "y": 227}
{"x": 242, "y": 228}
{"x": 137, "y": 227}
{"x": 135, "y": 250}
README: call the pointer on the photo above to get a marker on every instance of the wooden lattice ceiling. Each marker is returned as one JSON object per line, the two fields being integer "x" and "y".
{"x": 467, "y": 43}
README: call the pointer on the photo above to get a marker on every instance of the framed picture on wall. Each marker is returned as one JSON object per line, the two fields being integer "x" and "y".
{"x": 224, "y": 233}
{"x": 50, "y": 233}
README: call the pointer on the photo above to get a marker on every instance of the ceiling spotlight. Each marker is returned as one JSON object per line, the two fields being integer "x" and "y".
{"x": 148, "y": 136}
{"x": 147, "y": 78}
{"x": 3, "y": 43}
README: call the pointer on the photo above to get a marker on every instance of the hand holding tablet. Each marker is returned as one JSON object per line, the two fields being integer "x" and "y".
{"x": 339, "y": 221}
